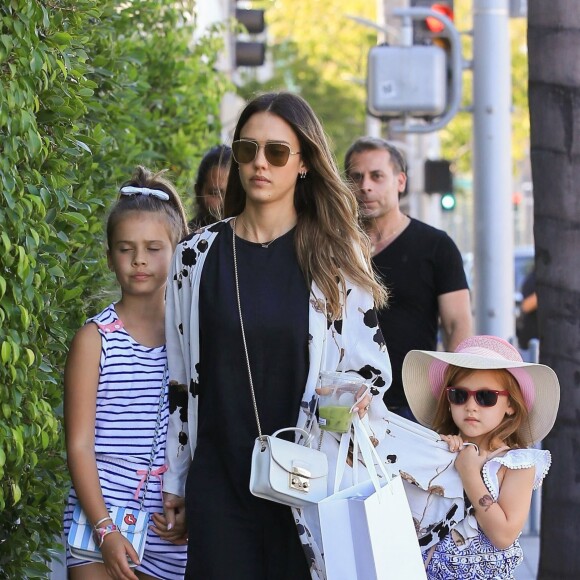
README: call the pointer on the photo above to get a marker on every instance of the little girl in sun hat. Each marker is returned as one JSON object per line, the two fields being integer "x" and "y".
{"x": 490, "y": 407}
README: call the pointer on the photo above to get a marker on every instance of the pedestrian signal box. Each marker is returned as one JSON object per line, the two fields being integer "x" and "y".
{"x": 406, "y": 80}
{"x": 438, "y": 177}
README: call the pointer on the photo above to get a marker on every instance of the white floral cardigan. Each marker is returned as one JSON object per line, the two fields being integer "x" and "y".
{"x": 353, "y": 343}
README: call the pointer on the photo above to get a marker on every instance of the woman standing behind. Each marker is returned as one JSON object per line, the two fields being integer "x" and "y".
{"x": 291, "y": 243}
{"x": 210, "y": 186}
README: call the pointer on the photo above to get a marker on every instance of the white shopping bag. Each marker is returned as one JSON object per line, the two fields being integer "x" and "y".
{"x": 384, "y": 538}
{"x": 367, "y": 529}
{"x": 336, "y": 532}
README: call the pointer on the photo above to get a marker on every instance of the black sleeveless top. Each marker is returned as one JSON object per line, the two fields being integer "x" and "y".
{"x": 274, "y": 298}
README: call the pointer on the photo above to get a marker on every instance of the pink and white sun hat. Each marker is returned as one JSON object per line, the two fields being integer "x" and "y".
{"x": 423, "y": 374}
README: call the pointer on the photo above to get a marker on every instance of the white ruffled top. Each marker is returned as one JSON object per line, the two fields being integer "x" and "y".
{"x": 516, "y": 459}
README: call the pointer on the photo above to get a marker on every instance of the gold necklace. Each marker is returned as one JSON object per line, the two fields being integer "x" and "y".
{"x": 395, "y": 231}
{"x": 263, "y": 244}
{"x": 382, "y": 242}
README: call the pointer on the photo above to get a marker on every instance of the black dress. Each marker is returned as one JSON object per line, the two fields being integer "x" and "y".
{"x": 232, "y": 534}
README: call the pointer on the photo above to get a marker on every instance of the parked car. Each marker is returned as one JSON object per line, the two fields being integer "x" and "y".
{"x": 523, "y": 264}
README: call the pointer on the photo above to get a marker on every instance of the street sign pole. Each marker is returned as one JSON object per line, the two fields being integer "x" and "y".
{"x": 493, "y": 215}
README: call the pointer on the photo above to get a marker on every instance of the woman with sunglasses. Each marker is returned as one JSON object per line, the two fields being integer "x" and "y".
{"x": 279, "y": 290}
{"x": 491, "y": 407}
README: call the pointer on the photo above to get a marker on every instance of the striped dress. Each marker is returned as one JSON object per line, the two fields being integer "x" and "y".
{"x": 130, "y": 379}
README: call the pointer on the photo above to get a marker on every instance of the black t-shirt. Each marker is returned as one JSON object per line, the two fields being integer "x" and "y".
{"x": 417, "y": 267}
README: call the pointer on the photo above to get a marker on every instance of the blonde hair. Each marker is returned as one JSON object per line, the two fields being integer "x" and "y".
{"x": 172, "y": 209}
{"x": 330, "y": 244}
{"x": 510, "y": 430}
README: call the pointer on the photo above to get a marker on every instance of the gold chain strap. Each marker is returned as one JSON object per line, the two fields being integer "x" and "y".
{"x": 243, "y": 332}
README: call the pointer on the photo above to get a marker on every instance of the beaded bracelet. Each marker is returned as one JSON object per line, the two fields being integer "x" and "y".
{"x": 97, "y": 524}
{"x": 101, "y": 533}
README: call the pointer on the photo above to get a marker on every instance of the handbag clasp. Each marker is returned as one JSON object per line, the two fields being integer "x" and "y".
{"x": 299, "y": 479}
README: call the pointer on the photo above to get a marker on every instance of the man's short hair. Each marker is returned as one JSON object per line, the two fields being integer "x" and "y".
{"x": 363, "y": 144}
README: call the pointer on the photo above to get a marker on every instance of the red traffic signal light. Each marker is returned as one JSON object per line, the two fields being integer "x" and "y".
{"x": 434, "y": 25}
{"x": 429, "y": 30}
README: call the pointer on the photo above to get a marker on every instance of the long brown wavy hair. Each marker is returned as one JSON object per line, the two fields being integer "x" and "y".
{"x": 511, "y": 430}
{"x": 330, "y": 244}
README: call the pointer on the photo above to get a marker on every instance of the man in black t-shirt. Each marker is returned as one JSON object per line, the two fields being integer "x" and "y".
{"x": 420, "y": 265}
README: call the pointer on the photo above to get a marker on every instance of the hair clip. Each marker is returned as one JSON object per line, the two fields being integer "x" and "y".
{"x": 130, "y": 190}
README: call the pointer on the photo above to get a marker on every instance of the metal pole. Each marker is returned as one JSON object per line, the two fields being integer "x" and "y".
{"x": 374, "y": 126}
{"x": 493, "y": 217}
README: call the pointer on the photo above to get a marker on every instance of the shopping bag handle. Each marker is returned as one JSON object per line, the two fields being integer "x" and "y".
{"x": 373, "y": 462}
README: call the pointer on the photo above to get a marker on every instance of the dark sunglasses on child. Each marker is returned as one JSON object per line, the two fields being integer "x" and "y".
{"x": 484, "y": 398}
{"x": 277, "y": 154}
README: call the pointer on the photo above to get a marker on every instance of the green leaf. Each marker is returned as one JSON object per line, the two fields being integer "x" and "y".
{"x": 36, "y": 62}
{"x": 29, "y": 356}
{"x": 73, "y": 293}
{"x": 24, "y": 316}
{"x": 16, "y": 493}
{"x": 5, "y": 352}
{"x": 34, "y": 142}
{"x": 6, "y": 241}
{"x": 82, "y": 145}
{"x": 60, "y": 39}
{"x": 74, "y": 217}
{"x": 7, "y": 42}
{"x": 56, "y": 271}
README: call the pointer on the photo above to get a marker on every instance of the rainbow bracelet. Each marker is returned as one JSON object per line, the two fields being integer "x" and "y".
{"x": 101, "y": 533}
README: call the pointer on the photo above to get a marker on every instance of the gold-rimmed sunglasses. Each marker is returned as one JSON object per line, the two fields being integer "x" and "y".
{"x": 277, "y": 154}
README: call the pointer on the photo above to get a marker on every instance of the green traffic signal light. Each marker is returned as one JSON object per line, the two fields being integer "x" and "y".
{"x": 448, "y": 202}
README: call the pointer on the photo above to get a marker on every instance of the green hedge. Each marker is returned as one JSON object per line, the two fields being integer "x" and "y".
{"x": 88, "y": 89}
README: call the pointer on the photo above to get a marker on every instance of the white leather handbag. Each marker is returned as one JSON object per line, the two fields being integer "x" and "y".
{"x": 287, "y": 472}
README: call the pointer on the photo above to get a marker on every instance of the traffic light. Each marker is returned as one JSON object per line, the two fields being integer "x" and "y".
{"x": 248, "y": 50}
{"x": 429, "y": 31}
{"x": 439, "y": 179}
{"x": 448, "y": 201}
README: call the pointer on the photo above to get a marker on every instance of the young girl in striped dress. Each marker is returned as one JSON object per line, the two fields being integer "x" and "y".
{"x": 114, "y": 378}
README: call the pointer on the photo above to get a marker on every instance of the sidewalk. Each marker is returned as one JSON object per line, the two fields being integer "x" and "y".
{"x": 528, "y": 570}
{"x": 58, "y": 569}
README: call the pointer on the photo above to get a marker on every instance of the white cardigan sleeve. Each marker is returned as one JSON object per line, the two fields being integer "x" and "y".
{"x": 365, "y": 348}
{"x": 178, "y": 452}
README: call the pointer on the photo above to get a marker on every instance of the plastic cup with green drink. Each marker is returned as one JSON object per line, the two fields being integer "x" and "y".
{"x": 337, "y": 394}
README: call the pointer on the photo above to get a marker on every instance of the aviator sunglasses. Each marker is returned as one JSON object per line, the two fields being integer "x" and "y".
{"x": 277, "y": 154}
{"x": 484, "y": 398}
